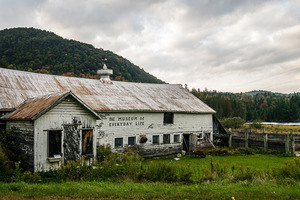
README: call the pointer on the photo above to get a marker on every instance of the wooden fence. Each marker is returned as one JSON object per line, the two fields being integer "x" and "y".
{"x": 288, "y": 143}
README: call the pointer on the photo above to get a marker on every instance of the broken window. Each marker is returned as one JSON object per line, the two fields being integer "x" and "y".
{"x": 166, "y": 139}
{"x": 155, "y": 139}
{"x": 131, "y": 140}
{"x": 168, "y": 118}
{"x": 87, "y": 142}
{"x": 54, "y": 143}
{"x": 176, "y": 138}
{"x": 118, "y": 142}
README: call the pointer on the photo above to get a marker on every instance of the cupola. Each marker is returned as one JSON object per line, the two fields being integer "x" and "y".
{"x": 104, "y": 74}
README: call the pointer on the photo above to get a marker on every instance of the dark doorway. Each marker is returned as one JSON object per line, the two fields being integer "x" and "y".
{"x": 87, "y": 142}
{"x": 186, "y": 142}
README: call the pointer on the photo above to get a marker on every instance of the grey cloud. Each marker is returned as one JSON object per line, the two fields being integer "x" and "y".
{"x": 222, "y": 44}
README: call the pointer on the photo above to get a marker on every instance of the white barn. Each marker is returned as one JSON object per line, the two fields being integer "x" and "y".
{"x": 57, "y": 118}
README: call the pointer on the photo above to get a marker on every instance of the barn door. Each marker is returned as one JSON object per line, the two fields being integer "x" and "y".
{"x": 87, "y": 142}
{"x": 186, "y": 142}
{"x": 71, "y": 142}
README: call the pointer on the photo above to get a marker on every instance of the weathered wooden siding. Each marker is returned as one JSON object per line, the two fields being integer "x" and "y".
{"x": 124, "y": 125}
{"x": 23, "y": 135}
{"x": 69, "y": 113}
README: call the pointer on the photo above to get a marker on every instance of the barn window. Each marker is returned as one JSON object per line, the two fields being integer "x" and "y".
{"x": 54, "y": 143}
{"x": 168, "y": 118}
{"x": 176, "y": 138}
{"x": 87, "y": 142}
{"x": 118, "y": 142}
{"x": 155, "y": 139}
{"x": 166, "y": 139}
{"x": 131, "y": 140}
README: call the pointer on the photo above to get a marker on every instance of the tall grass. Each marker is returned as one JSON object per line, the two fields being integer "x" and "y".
{"x": 158, "y": 190}
{"x": 130, "y": 166}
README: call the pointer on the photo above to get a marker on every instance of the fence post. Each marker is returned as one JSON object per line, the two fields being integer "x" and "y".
{"x": 230, "y": 139}
{"x": 287, "y": 143}
{"x": 292, "y": 141}
{"x": 246, "y": 138}
{"x": 265, "y": 140}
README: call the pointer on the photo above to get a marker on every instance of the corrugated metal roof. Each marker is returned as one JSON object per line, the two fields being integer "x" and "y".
{"x": 34, "y": 107}
{"x": 18, "y": 86}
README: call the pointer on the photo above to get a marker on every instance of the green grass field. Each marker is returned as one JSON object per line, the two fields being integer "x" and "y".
{"x": 130, "y": 190}
{"x": 219, "y": 188}
{"x": 258, "y": 161}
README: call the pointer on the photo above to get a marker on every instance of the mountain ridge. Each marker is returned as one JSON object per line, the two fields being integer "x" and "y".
{"x": 35, "y": 50}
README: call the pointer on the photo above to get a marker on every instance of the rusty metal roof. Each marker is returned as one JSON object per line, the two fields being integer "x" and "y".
{"x": 18, "y": 86}
{"x": 35, "y": 107}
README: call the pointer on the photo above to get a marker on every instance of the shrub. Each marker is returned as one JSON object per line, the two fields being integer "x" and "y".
{"x": 256, "y": 124}
{"x": 244, "y": 174}
{"x": 75, "y": 171}
{"x": 160, "y": 172}
{"x": 235, "y": 122}
{"x": 2, "y": 158}
{"x": 230, "y": 151}
{"x": 291, "y": 169}
{"x": 30, "y": 177}
{"x": 103, "y": 152}
{"x": 132, "y": 164}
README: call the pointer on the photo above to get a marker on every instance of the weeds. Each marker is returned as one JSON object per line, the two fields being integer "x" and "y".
{"x": 243, "y": 151}
{"x": 130, "y": 166}
{"x": 291, "y": 170}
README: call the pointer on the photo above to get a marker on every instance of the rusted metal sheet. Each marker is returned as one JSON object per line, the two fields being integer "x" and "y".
{"x": 35, "y": 107}
{"x": 18, "y": 86}
{"x": 32, "y": 107}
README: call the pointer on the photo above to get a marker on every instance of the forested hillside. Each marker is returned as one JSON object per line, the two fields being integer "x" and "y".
{"x": 30, "y": 49}
{"x": 256, "y": 105}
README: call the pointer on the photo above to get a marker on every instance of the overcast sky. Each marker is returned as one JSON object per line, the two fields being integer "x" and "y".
{"x": 223, "y": 45}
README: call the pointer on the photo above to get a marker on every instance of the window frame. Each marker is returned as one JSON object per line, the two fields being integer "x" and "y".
{"x": 168, "y": 118}
{"x": 134, "y": 140}
{"x": 57, "y": 148}
{"x": 168, "y": 139}
{"x": 178, "y": 139}
{"x": 122, "y": 142}
{"x": 157, "y": 139}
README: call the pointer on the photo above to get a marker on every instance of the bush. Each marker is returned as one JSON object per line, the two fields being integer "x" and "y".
{"x": 75, "y": 171}
{"x": 132, "y": 164}
{"x": 30, "y": 177}
{"x": 256, "y": 124}
{"x": 103, "y": 152}
{"x": 235, "y": 122}
{"x": 291, "y": 169}
{"x": 160, "y": 172}
{"x": 230, "y": 151}
{"x": 2, "y": 158}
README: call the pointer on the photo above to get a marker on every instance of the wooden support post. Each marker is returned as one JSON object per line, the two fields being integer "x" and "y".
{"x": 287, "y": 143}
{"x": 292, "y": 141}
{"x": 265, "y": 141}
{"x": 230, "y": 139}
{"x": 246, "y": 138}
